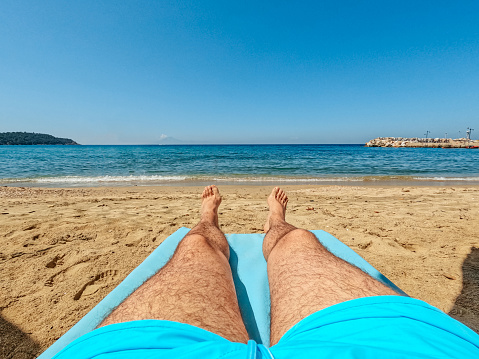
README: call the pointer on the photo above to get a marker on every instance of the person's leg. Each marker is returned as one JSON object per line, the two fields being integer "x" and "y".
{"x": 304, "y": 277}
{"x": 196, "y": 286}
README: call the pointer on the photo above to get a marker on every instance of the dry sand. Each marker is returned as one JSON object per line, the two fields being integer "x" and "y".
{"x": 63, "y": 250}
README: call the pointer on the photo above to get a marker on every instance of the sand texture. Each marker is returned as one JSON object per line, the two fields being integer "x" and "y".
{"x": 63, "y": 250}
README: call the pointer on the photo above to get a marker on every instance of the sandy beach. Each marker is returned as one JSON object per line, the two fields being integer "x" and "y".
{"x": 63, "y": 250}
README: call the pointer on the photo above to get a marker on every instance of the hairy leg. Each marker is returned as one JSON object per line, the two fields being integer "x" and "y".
{"x": 304, "y": 277}
{"x": 195, "y": 286}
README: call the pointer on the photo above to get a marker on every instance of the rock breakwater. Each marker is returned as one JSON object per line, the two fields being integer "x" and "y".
{"x": 422, "y": 142}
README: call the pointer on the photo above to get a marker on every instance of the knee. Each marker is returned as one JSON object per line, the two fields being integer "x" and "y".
{"x": 298, "y": 239}
{"x": 193, "y": 242}
{"x": 299, "y": 234}
{"x": 197, "y": 243}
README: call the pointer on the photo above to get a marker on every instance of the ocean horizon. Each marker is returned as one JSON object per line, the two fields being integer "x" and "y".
{"x": 258, "y": 164}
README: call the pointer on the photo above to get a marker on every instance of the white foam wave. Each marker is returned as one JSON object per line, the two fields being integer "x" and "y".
{"x": 473, "y": 179}
{"x": 287, "y": 179}
{"x": 108, "y": 179}
{"x": 188, "y": 180}
{"x": 157, "y": 178}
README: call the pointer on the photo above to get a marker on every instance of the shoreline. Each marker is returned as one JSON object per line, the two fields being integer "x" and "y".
{"x": 250, "y": 181}
{"x": 55, "y": 241}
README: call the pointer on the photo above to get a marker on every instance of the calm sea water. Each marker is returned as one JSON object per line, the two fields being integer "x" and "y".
{"x": 70, "y": 166}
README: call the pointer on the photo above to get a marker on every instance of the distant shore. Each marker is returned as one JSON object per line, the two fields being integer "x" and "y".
{"x": 422, "y": 142}
{"x": 31, "y": 138}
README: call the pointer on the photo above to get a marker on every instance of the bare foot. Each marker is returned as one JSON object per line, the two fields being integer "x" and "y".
{"x": 277, "y": 202}
{"x": 211, "y": 200}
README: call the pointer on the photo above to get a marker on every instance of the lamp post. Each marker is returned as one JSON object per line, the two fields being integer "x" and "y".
{"x": 468, "y": 133}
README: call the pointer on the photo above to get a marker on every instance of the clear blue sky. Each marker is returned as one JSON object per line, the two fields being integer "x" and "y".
{"x": 126, "y": 72}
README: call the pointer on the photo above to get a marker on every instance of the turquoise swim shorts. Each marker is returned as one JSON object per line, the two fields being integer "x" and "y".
{"x": 373, "y": 327}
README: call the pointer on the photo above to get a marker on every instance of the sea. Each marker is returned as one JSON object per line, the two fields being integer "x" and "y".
{"x": 185, "y": 165}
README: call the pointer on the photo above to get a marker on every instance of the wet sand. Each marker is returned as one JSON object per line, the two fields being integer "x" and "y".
{"x": 63, "y": 250}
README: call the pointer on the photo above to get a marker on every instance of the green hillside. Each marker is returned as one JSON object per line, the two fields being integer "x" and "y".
{"x": 28, "y": 138}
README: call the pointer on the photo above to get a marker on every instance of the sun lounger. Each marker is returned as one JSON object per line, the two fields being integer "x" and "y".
{"x": 249, "y": 274}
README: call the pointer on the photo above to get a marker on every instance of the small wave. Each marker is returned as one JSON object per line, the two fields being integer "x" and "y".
{"x": 77, "y": 179}
{"x": 93, "y": 181}
{"x": 104, "y": 180}
{"x": 286, "y": 179}
{"x": 471, "y": 179}
{"x": 386, "y": 178}
{"x": 98, "y": 179}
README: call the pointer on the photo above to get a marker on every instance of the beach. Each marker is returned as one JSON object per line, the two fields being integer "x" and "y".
{"x": 63, "y": 250}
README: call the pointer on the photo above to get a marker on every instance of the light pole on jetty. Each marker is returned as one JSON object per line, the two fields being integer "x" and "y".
{"x": 427, "y": 133}
{"x": 468, "y": 133}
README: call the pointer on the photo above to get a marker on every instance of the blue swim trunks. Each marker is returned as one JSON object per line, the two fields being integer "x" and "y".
{"x": 373, "y": 327}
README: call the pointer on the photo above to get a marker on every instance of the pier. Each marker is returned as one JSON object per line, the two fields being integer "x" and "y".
{"x": 423, "y": 142}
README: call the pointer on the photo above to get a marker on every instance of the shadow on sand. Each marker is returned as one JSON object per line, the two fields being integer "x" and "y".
{"x": 466, "y": 307}
{"x": 15, "y": 344}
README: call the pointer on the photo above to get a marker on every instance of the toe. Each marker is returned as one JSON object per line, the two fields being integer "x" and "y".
{"x": 280, "y": 193}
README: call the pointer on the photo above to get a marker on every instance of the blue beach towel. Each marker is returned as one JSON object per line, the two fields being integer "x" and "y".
{"x": 249, "y": 274}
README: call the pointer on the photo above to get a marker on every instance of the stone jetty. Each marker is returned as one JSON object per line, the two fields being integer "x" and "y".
{"x": 423, "y": 142}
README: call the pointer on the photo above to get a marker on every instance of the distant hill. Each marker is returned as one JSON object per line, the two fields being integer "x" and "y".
{"x": 167, "y": 140}
{"x": 28, "y": 138}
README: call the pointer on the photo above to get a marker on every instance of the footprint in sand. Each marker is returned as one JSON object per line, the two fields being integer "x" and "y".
{"x": 75, "y": 267}
{"x": 413, "y": 247}
{"x": 29, "y": 227}
{"x": 98, "y": 281}
{"x": 365, "y": 245}
{"x": 55, "y": 261}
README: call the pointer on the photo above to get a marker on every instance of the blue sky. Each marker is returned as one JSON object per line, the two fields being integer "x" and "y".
{"x": 128, "y": 72}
